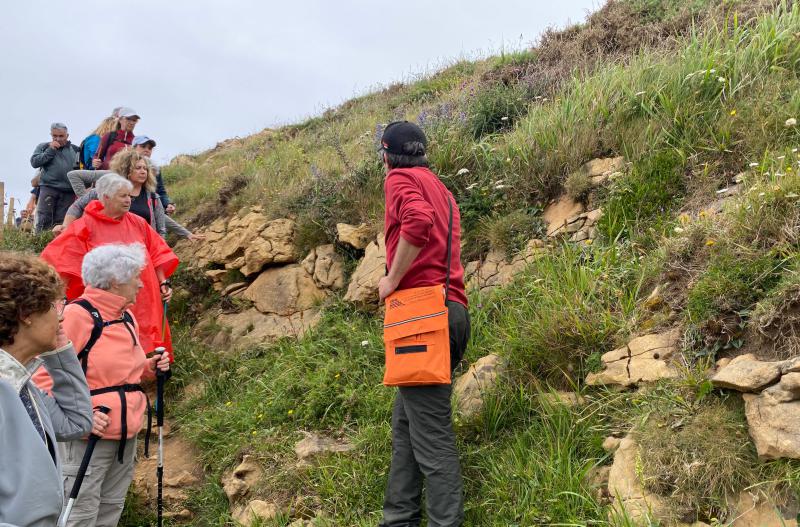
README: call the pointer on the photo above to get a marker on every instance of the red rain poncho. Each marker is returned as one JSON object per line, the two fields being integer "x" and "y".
{"x": 94, "y": 229}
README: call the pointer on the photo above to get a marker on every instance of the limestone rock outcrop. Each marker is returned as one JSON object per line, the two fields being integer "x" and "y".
{"x": 252, "y": 327}
{"x": 625, "y": 487}
{"x": 756, "y": 511}
{"x": 284, "y": 291}
{"x": 181, "y": 474}
{"x": 356, "y": 236}
{"x": 470, "y": 388}
{"x": 599, "y": 171}
{"x": 558, "y": 214}
{"x": 771, "y": 392}
{"x": 363, "y": 288}
{"x": 745, "y": 373}
{"x": 567, "y": 217}
{"x": 255, "y": 512}
{"x": 239, "y": 482}
{"x": 496, "y": 270}
{"x": 246, "y": 242}
{"x": 326, "y": 267}
{"x": 643, "y": 359}
{"x": 314, "y": 445}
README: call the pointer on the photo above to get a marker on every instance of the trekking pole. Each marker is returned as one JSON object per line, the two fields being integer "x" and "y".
{"x": 161, "y": 377}
{"x": 76, "y": 487}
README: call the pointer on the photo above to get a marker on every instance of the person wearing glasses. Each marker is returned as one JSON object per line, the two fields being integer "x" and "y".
{"x": 31, "y": 421}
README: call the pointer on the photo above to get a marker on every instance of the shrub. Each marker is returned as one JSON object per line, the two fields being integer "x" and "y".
{"x": 496, "y": 108}
{"x": 644, "y": 198}
{"x": 19, "y": 240}
{"x": 507, "y": 233}
{"x": 698, "y": 457}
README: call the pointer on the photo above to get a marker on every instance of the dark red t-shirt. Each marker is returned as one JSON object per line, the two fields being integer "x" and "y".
{"x": 116, "y": 141}
{"x": 417, "y": 209}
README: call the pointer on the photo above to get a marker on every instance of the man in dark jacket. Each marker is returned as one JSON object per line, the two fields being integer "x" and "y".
{"x": 417, "y": 231}
{"x": 144, "y": 145}
{"x": 55, "y": 158}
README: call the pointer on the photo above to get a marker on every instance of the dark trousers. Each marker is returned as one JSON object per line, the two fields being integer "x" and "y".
{"x": 424, "y": 447}
{"x": 52, "y": 207}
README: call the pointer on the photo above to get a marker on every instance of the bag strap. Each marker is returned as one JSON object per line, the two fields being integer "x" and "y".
{"x": 449, "y": 247}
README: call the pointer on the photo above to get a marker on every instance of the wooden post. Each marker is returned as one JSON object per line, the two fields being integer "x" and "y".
{"x": 10, "y": 223}
{"x": 2, "y": 207}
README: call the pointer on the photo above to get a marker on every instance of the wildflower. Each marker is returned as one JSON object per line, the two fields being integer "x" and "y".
{"x": 337, "y": 375}
{"x": 508, "y": 160}
{"x": 776, "y": 188}
{"x": 790, "y": 122}
{"x": 789, "y": 168}
{"x": 710, "y": 242}
{"x": 721, "y": 79}
{"x": 678, "y": 230}
{"x": 364, "y": 343}
{"x": 228, "y": 403}
{"x": 254, "y": 432}
{"x": 733, "y": 112}
{"x": 462, "y": 172}
{"x": 290, "y": 412}
{"x": 589, "y": 241}
{"x": 260, "y": 416}
{"x": 684, "y": 218}
{"x": 702, "y": 214}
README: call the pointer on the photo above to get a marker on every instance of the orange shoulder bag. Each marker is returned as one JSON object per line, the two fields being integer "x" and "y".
{"x": 416, "y": 332}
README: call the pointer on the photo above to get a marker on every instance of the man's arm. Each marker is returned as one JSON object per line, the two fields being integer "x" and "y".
{"x": 403, "y": 258}
{"x": 42, "y": 155}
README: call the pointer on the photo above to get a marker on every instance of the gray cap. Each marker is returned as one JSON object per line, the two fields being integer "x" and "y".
{"x": 128, "y": 113}
{"x": 143, "y": 140}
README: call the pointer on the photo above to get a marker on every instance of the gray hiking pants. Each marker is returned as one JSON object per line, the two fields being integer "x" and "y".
{"x": 424, "y": 446}
{"x": 52, "y": 207}
{"x": 102, "y": 495}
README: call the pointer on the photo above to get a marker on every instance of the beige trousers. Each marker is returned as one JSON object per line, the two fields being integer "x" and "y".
{"x": 102, "y": 495}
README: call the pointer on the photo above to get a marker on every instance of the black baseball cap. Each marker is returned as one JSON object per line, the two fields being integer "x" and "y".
{"x": 398, "y": 133}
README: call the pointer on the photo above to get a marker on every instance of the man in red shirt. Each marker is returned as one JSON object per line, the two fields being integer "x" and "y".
{"x": 417, "y": 230}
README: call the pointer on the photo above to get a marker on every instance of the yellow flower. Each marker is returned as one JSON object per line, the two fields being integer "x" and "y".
{"x": 733, "y": 112}
{"x": 589, "y": 241}
{"x": 228, "y": 403}
{"x": 254, "y": 432}
{"x": 702, "y": 214}
{"x": 261, "y": 416}
{"x": 684, "y": 218}
{"x": 710, "y": 242}
{"x": 290, "y": 412}
{"x": 337, "y": 375}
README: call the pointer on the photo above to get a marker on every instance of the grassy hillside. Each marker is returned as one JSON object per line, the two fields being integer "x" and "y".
{"x": 696, "y": 95}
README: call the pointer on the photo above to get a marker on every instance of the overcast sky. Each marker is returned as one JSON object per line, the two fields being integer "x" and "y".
{"x": 202, "y": 71}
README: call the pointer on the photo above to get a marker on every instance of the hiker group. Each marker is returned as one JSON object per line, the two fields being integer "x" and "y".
{"x": 92, "y": 309}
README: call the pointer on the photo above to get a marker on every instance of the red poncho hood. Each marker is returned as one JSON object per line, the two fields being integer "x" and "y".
{"x": 94, "y": 229}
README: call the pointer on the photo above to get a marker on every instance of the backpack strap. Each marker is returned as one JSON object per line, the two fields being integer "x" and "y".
{"x": 97, "y": 330}
{"x": 103, "y": 148}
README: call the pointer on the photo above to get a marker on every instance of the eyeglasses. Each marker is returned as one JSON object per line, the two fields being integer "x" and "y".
{"x": 59, "y": 306}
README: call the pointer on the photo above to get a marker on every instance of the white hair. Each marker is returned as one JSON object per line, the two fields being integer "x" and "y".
{"x": 114, "y": 263}
{"x": 59, "y": 126}
{"x": 110, "y": 185}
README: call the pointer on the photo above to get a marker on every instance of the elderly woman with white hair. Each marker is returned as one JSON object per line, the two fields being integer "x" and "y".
{"x": 106, "y": 221}
{"x": 101, "y": 327}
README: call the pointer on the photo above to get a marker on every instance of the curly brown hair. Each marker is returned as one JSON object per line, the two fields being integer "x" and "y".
{"x": 27, "y": 285}
{"x": 125, "y": 161}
